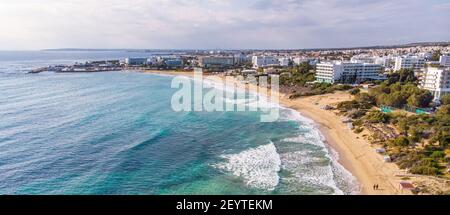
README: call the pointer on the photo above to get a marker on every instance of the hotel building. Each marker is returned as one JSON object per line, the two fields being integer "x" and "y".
{"x": 284, "y": 61}
{"x": 409, "y": 62}
{"x": 136, "y": 61}
{"x": 264, "y": 61}
{"x": 444, "y": 60}
{"x": 347, "y": 72}
{"x": 300, "y": 60}
{"x": 216, "y": 61}
{"x": 437, "y": 81}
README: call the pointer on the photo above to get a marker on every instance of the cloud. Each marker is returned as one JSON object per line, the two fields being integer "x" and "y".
{"x": 36, "y": 24}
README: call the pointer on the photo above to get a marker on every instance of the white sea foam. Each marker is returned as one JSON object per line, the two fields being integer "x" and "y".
{"x": 308, "y": 169}
{"x": 237, "y": 101}
{"x": 306, "y": 166}
{"x": 258, "y": 167}
{"x": 344, "y": 179}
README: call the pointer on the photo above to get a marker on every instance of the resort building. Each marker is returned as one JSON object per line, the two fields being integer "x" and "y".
{"x": 174, "y": 63}
{"x": 264, "y": 61}
{"x": 136, "y": 61}
{"x": 347, "y": 72}
{"x": 300, "y": 60}
{"x": 284, "y": 61}
{"x": 152, "y": 61}
{"x": 444, "y": 60}
{"x": 437, "y": 81}
{"x": 409, "y": 62}
{"x": 426, "y": 55}
{"x": 242, "y": 59}
{"x": 216, "y": 61}
{"x": 384, "y": 61}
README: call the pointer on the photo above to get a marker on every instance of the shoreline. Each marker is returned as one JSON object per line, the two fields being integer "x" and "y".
{"x": 355, "y": 154}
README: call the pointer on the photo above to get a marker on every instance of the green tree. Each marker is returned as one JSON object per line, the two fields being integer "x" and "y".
{"x": 403, "y": 125}
{"x": 422, "y": 99}
{"x": 402, "y": 76}
{"x": 355, "y": 91}
{"x": 365, "y": 100}
{"x": 304, "y": 67}
{"x": 436, "y": 55}
{"x": 396, "y": 99}
{"x": 400, "y": 141}
{"x": 445, "y": 100}
{"x": 377, "y": 117}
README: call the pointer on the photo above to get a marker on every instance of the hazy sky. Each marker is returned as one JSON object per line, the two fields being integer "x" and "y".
{"x": 38, "y": 24}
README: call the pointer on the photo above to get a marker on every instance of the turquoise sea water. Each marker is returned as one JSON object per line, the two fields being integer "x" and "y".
{"x": 115, "y": 133}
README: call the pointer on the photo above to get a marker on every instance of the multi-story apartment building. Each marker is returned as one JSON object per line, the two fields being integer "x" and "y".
{"x": 409, "y": 62}
{"x": 174, "y": 63}
{"x": 284, "y": 61}
{"x": 347, "y": 72}
{"x": 384, "y": 61}
{"x": 242, "y": 59}
{"x": 426, "y": 55}
{"x": 216, "y": 61}
{"x": 263, "y": 61}
{"x": 299, "y": 60}
{"x": 437, "y": 81}
{"x": 135, "y": 61}
{"x": 444, "y": 60}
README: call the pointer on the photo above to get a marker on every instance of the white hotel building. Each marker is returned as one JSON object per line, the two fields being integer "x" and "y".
{"x": 437, "y": 81}
{"x": 445, "y": 60}
{"x": 216, "y": 61}
{"x": 284, "y": 61}
{"x": 300, "y": 60}
{"x": 264, "y": 61}
{"x": 409, "y": 62}
{"x": 347, "y": 72}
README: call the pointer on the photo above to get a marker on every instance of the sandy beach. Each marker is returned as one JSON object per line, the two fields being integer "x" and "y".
{"x": 355, "y": 153}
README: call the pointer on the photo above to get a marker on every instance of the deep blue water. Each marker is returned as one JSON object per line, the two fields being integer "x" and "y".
{"x": 115, "y": 133}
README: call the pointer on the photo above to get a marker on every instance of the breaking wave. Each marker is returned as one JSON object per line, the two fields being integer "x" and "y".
{"x": 310, "y": 167}
{"x": 258, "y": 167}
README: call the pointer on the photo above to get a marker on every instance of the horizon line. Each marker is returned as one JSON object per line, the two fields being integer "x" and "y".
{"x": 433, "y": 43}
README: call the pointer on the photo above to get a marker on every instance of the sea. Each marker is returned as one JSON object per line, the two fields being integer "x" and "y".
{"x": 115, "y": 133}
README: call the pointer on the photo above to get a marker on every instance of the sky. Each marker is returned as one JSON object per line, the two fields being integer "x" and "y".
{"x": 220, "y": 24}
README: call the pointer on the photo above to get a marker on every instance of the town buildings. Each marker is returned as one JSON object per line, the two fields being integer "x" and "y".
{"x": 362, "y": 59}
